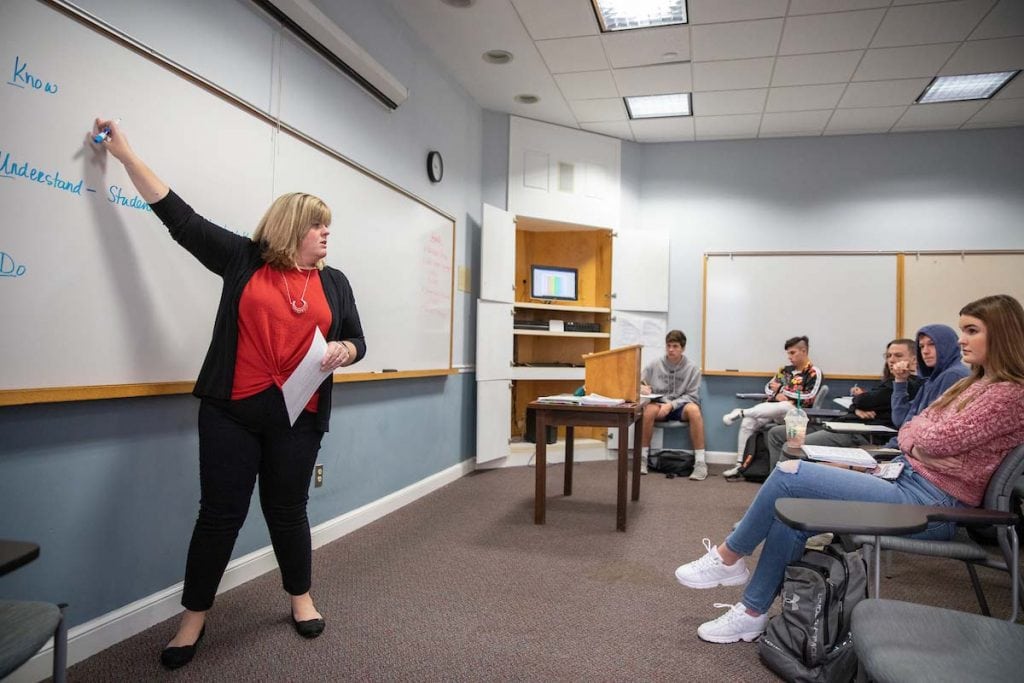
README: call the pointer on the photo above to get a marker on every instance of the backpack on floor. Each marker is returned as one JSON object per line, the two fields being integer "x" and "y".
{"x": 676, "y": 463}
{"x": 811, "y": 640}
{"x": 757, "y": 460}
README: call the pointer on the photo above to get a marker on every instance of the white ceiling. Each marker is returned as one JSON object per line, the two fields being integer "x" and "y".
{"x": 756, "y": 68}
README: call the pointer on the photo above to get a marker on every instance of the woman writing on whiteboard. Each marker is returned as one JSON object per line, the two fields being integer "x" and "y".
{"x": 950, "y": 451}
{"x": 276, "y": 292}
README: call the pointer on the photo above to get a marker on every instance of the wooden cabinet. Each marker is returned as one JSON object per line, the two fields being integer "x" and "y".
{"x": 518, "y": 363}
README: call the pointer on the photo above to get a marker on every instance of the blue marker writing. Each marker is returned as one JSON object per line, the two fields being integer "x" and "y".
{"x": 102, "y": 135}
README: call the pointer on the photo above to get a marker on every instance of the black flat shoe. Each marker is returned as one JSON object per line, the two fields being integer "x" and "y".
{"x": 177, "y": 657}
{"x": 310, "y": 628}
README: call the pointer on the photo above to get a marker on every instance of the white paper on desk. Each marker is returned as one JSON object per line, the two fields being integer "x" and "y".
{"x": 858, "y": 427}
{"x": 306, "y": 379}
{"x": 599, "y": 400}
{"x": 857, "y": 457}
{"x": 844, "y": 401}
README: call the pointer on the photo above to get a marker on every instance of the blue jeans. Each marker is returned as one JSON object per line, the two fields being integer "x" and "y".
{"x": 784, "y": 544}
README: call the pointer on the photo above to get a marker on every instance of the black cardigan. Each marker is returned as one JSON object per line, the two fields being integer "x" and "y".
{"x": 235, "y": 258}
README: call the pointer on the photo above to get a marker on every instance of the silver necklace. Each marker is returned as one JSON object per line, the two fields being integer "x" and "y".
{"x": 296, "y": 307}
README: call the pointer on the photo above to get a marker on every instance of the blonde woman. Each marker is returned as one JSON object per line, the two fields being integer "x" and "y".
{"x": 276, "y": 292}
{"x": 950, "y": 451}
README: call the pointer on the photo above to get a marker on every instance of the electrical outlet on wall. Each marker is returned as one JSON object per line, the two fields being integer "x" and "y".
{"x": 318, "y": 476}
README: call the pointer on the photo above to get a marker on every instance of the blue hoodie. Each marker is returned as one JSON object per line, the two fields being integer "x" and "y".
{"x": 949, "y": 369}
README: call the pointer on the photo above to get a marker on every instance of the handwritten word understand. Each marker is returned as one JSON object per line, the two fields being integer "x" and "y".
{"x": 21, "y": 78}
{"x": 10, "y": 168}
{"x": 9, "y": 267}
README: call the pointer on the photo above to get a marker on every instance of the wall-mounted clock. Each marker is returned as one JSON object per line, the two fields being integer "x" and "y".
{"x": 435, "y": 167}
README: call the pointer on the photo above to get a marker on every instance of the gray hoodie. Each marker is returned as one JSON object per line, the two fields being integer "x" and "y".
{"x": 679, "y": 384}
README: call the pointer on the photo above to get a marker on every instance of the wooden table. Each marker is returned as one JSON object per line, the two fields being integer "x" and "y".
{"x": 571, "y": 415}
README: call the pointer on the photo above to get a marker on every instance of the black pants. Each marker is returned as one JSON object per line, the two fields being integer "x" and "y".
{"x": 238, "y": 442}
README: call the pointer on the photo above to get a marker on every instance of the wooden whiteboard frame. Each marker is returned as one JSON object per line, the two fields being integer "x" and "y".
{"x": 25, "y": 396}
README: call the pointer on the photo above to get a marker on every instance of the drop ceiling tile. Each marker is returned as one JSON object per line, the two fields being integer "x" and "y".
{"x": 610, "y": 109}
{"x": 736, "y": 40}
{"x": 653, "y": 80}
{"x": 798, "y": 7}
{"x": 587, "y": 85}
{"x": 883, "y": 93}
{"x": 733, "y": 74}
{"x": 823, "y": 67}
{"x": 546, "y": 19}
{"x": 941, "y": 115}
{"x": 829, "y": 32}
{"x": 887, "y": 63}
{"x": 897, "y": 3}
{"x": 615, "y": 129}
{"x": 1015, "y": 88}
{"x": 1006, "y": 19}
{"x": 867, "y": 120}
{"x": 715, "y": 11}
{"x": 647, "y": 46}
{"x": 726, "y": 127}
{"x": 563, "y": 55}
{"x": 729, "y": 102}
{"x": 677, "y": 128}
{"x": 921, "y": 24}
{"x": 804, "y": 97}
{"x": 981, "y": 56}
{"x": 794, "y": 123}
{"x": 999, "y": 113}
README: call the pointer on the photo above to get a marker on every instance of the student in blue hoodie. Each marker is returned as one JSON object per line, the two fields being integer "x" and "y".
{"x": 939, "y": 367}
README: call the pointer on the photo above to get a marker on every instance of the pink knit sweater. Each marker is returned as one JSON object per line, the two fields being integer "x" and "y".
{"x": 962, "y": 448}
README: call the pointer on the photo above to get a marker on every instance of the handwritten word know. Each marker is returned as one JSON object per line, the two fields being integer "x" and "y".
{"x": 21, "y": 78}
{"x": 8, "y": 266}
{"x": 10, "y": 168}
{"x": 135, "y": 202}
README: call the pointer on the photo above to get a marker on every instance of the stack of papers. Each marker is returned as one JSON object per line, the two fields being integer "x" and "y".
{"x": 561, "y": 398}
{"x": 588, "y": 400}
{"x": 857, "y": 457}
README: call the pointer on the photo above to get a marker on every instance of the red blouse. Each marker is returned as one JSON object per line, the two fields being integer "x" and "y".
{"x": 272, "y": 338}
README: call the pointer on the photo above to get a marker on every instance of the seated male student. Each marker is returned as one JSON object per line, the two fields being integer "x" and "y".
{"x": 798, "y": 380}
{"x": 870, "y": 406}
{"x": 677, "y": 379}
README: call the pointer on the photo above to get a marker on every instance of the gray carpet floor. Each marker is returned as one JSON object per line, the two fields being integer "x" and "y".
{"x": 462, "y": 586}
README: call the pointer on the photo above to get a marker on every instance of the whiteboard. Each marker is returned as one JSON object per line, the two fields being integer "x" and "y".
{"x": 845, "y": 303}
{"x": 937, "y": 286}
{"x": 93, "y": 291}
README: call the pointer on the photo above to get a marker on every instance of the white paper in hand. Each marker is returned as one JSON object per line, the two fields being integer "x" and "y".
{"x": 306, "y": 378}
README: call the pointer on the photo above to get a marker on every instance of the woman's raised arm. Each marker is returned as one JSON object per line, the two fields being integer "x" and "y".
{"x": 145, "y": 181}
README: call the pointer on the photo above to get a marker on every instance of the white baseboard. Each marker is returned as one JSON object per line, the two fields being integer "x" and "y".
{"x": 92, "y": 637}
{"x": 556, "y": 455}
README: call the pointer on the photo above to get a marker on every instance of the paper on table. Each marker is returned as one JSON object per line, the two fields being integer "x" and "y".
{"x": 858, "y": 427}
{"x": 599, "y": 400}
{"x": 857, "y": 457}
{"x": 560, "y": 398}
{"x": 844, "y": 401}
{"x": 306, "y": 378}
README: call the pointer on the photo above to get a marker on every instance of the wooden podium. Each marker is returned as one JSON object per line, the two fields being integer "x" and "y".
{"x": 614, "y": 373}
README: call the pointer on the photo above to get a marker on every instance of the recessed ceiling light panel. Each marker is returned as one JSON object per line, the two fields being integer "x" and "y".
{"x": 658, "y": 106}
{"x": 620, "y": 15}
{"x": 966, "y": 87}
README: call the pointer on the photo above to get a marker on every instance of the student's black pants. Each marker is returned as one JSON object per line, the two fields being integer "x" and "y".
{"x": 240, "y": 442}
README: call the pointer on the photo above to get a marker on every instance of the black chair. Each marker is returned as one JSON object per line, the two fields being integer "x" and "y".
{"x": 25, "y": 626}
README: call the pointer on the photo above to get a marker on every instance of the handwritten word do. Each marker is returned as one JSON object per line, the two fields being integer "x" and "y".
{"x": 8, "y": 267}
{"x": 21, "y": 77}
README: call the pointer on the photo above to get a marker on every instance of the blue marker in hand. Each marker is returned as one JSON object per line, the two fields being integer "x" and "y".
{"x": 102, "y": 135}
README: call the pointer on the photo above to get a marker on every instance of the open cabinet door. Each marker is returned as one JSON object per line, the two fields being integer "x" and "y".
{"x": 494, "y": 339}
{"x": 640, "y": 261}
{"x": 493, "y": 420}
{"x": 498, "y": 256}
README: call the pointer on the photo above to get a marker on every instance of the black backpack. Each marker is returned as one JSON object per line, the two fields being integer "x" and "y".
{"x": 675, "y": 463}
{"x": 810, "y": 639}
{"x": 756, "y": 465}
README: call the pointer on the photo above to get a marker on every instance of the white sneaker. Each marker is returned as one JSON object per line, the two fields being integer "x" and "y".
{"x": 700, "y": 471}
{"x": 643, "y": 464}
{"x": 732, "y": 416}
{"x": 732, "y": 626}
{"x": 709, "y": 571}
{"x": 732, "y": 472}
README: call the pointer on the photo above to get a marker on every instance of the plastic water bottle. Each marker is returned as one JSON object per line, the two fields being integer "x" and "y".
{"x": 796, "y": 425}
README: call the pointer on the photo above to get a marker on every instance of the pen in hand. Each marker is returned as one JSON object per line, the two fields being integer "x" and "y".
{"x": 105, "y": 133}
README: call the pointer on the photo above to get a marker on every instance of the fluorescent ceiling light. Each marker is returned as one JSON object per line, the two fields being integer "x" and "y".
{"x": 619, "y": 15}
{"x": 658, "y": 106}
{"x": 966, "y": 87}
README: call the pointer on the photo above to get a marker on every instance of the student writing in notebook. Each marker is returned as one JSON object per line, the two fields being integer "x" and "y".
{"x": 677, "y": 379}
{"x": 949, "y": 453}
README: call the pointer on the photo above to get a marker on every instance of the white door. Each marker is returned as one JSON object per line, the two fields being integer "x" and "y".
{"x": 493, "y": 419}
{"x": 640, "y": 261}
{"x": 498, "y": 256}
{"x": 494, "y": 338}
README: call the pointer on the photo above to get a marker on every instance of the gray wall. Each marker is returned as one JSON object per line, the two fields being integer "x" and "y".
{"x": 109, "y": 489}
{"x": 939, "y": 190}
